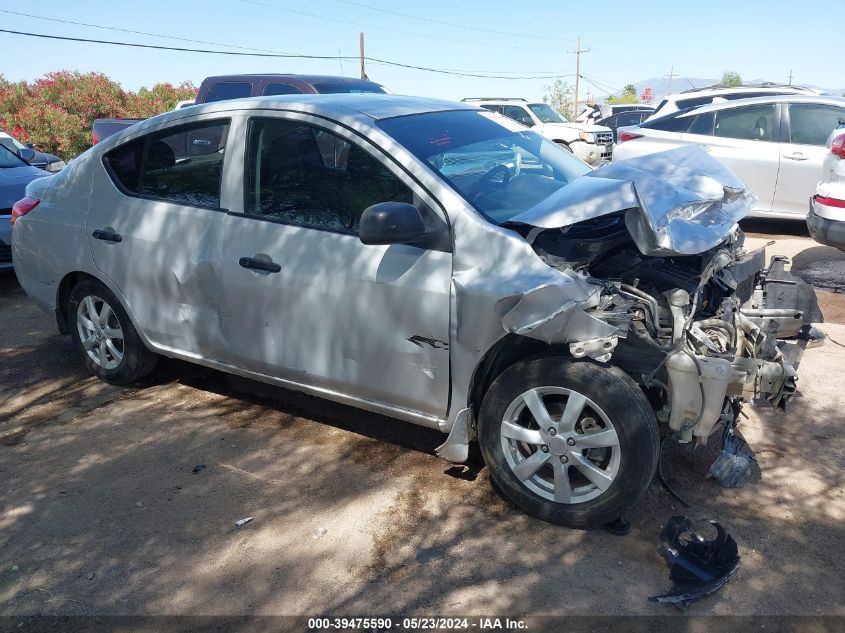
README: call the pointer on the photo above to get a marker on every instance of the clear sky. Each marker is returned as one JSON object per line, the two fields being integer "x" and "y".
{"x": 628, "y": 41}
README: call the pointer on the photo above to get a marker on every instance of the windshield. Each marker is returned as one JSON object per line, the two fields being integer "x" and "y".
{"x": 546, "y": 113}
{"x": 499, "y": 167}
{"x": 8, "y": 159}
{"x": 10, "y": 143}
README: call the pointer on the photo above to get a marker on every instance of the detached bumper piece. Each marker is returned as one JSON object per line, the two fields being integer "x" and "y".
{"x": 696, "y": 566}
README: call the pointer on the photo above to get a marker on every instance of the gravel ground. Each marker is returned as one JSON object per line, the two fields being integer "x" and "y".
{"x": 124, "y": 500}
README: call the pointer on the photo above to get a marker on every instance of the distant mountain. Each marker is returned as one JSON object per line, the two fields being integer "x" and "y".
{"x": 660, "y": 86}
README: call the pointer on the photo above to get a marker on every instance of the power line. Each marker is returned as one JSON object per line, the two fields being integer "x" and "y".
{"x": 134, "y": 32}
{"x": 389, "y": 30}
{"x": 277, "y": 55}
{"x": 452, "y": 24}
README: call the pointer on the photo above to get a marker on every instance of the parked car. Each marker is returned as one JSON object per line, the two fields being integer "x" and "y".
{"x": 624, "y": 119}
{"x": 28, "y": 153}
{"x": 695, "y": 97}
{"x": 226, "y": 87}
{"x": 593, "y": 112}
{"x": 590, "y": 143}
{"x": 826, "y": 219}
{"x": 431, "y": 261}
{"x": 238, "y": 86}
{"x": 776, "y": 144}
{"x": 15, "y": 175}
{"x": 104, "y": 128}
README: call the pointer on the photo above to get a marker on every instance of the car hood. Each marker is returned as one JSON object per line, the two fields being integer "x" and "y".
{"x": 13, "y": 182}
{"x": 679, "y": 202}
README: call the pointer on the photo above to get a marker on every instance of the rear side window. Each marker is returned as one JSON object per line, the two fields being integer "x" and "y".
{"x": 811, "y": 124}
{"x": 335, "y": 87}
{"x": 749, "y": 123}
{"x": 124, "y": 165}
{"x": 668, "y": 124}
{"x": 301, "y": 174}
{"x": 280, "y": 89}
{"x": 702, "y": 124}
{"x": 228, "y": 90}
{"x": 182, "y": 164}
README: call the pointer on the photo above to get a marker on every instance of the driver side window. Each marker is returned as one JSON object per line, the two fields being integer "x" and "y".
{"x": 301, "y": 174}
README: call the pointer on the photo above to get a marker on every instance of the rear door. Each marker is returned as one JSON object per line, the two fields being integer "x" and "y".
{"x": 743, "y": 138}
{"x": 304, "y": 299}
{"x": 808, "y": 125}
{"x": 154, "y": 209}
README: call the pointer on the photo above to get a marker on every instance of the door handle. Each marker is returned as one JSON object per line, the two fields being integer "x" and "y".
{"x": 796, "y": 156}
{"x": 106, "y": 236}
{"x": 252, "y": 263}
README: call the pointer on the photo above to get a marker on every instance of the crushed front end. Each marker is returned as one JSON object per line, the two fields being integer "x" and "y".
{"x": 702, "y": 323}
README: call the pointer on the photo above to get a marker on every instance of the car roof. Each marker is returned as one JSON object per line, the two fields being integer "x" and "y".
{"x": 305, "y": 78}
{"x": 716, "y": 88}
{"x": 734, "y": 103}
{"x": 366, "y": 107}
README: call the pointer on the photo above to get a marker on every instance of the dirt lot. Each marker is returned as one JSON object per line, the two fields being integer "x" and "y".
{"x": 123, "y": 500}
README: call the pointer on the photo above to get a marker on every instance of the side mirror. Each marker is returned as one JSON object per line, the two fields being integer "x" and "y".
{"x": 391, "y": 223}
{"x": 526, "y": 120}
{"x": 27, "y": 154}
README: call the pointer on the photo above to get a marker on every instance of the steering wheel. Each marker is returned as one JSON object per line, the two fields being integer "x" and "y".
{"x": 487, "y": 185}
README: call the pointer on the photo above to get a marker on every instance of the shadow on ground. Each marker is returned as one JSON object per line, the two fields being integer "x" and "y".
{"x": 103, "y": 512}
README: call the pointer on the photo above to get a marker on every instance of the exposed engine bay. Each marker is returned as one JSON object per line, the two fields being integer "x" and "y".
{"x": 702, "y": 333}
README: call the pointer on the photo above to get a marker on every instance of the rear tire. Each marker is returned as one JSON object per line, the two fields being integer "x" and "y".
{"x": 572, "y": 443}
{"x": 104, "y": 335}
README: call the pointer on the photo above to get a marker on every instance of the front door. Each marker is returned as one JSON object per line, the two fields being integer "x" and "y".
{"x": 150, "y": 224}
{"x": 305, "y": 300}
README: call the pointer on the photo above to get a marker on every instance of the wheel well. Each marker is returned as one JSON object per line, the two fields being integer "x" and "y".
{"x": 65, "y": 286}
{"x": 507, "y": 351}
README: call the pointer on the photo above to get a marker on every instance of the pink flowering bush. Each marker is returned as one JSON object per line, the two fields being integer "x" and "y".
{"x": 56, "y": 111}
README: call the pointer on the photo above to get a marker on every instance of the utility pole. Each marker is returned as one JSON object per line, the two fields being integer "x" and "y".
{"x": 670, "y": 76}
{"x": 577, "y": 52}
{"x": 361, "y": 46}
{"x": 790, "y": 76}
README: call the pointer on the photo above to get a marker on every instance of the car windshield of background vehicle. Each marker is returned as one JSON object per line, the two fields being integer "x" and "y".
{"x": 9, "y": 159}
{"x": 11, "y": 143}
{"x": 546, "y": 113}
{"x": 501, "y": 172}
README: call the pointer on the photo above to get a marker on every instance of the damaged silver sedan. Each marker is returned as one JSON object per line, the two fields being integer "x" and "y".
{"x": 430, "y": 261}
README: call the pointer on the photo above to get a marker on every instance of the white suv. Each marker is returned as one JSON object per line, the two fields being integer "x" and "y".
{"x": 716, "y": 94}
{"x": 590, "y": 143}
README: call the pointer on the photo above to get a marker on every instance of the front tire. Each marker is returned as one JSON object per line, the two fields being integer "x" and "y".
{"x": 572, "y": 443}
{"x": 104, "y": 335}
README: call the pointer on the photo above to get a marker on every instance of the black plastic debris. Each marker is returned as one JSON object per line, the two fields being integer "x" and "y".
{"x": 697, "y": 567}
{"x": 619, "y": 527}
{"x": 198, "y": 469}
{"x": 732, "y": 468}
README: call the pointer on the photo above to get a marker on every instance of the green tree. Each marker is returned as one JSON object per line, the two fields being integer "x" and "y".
{"x": 629, "y": 95}
{"x": 731, "y": 78}
{"x": 560, "y": 96}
